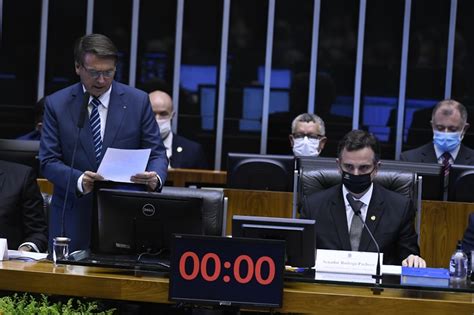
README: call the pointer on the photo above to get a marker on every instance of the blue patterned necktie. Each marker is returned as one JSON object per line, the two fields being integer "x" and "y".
{"x": 95, "y": 128}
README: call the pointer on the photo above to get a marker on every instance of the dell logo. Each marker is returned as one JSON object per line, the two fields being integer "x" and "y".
{"x": 148, "y": 210}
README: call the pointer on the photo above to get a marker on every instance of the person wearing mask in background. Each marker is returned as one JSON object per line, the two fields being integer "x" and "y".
{"x": 181, "y": 152}
{"x": 449, "y": 123}
{"x": 307, "y": 136}
{"x": 389, "y": 215}
{"x": 116, "y": 116}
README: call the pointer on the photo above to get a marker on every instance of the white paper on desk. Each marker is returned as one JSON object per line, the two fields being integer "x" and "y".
{"x": 17, "y": 254}
{"x": 119, "y": 165}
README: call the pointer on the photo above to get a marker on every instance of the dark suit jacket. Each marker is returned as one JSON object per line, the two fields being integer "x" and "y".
{"x": 187, "y": 154}
{"x": 468, "y": 238}
{"x": 22, "y": 216}
{"x": 130, "y": 125}
{"x": 33, "y": 135}
{"x": 426, "y": 154}
{"x": 393, "y": 226}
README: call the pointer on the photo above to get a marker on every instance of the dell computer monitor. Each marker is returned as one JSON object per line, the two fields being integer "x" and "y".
{"x": 260, "y": 172}
{"x": 21, "y": 151}
{"x": 299, "y": 234}
{"x": 461, "y": 181}
{"x": 135, "y": 222}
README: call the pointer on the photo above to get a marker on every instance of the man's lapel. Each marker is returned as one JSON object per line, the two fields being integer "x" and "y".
{"x": 115, "y": 115}
{"x": 338, "y": 212}
{"x": 85, "y": 136}
{"x": 372, "y": 219}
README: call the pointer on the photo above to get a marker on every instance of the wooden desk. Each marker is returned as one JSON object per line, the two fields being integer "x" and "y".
{"x": 442, "y": 223}
{"x": 311, "y": 298}
{"x": 184, "y": 177}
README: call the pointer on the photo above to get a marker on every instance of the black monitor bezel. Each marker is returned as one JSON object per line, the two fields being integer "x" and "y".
{"x": 286, "y": 226}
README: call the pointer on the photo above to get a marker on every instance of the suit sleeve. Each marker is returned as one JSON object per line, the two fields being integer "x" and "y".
{"x": 201, "y": 158}
{"x": 35, "y": 229}
{"x": 51, "y": 153}
{"x": 408, "y": 239}
{"x": 151, "y": 138}
{"x": 468, "y": 238}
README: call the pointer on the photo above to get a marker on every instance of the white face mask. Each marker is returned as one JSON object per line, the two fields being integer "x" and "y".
{"x": 306, "y": 147}
{"x": 165, "y": 127}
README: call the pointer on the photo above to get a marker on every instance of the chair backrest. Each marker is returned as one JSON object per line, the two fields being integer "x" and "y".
{"x": 319, "y": 175}
{"x": 213, "y": 206}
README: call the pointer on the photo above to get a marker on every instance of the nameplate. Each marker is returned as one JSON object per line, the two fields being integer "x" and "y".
{"x": 3, "y": 249}
{"x": 347, "y": 262}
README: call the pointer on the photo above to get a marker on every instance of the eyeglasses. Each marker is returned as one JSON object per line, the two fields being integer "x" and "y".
{"x": 302, "y": 135}
{"x": 96, "y": 74}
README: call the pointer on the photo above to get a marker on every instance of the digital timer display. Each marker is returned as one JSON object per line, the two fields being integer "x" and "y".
{"x": 227, "y": 271}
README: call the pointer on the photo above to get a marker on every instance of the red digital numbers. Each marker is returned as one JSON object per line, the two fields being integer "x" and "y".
{"x": 200, "y": 267}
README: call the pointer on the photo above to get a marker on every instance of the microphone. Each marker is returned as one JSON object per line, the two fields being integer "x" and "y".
{"x": 357, "y": 212}
{"x": 80, "y": 125}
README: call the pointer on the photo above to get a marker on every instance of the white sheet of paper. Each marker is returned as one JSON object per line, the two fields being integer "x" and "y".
{"x": 16, "y": 254}
{"x": 120, "y": 164}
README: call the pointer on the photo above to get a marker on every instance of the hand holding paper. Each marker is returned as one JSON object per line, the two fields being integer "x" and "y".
{"x": 120, "y": 165}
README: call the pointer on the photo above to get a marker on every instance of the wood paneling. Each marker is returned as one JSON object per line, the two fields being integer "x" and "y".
{"x": 442, "y": 225}
{"x": 185, "y": 177}
{"x": 257, "y": 203}
{"x": 45, "y": 186}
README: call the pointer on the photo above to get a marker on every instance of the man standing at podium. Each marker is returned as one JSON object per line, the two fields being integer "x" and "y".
{"x": 98, "y": 113}
{"x": 387, "y": 214}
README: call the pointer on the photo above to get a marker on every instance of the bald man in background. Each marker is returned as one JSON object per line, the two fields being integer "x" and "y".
{"x": 182, "y": 152}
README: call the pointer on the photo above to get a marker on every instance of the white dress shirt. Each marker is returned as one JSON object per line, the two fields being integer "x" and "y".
{"x": 363, "y": 211}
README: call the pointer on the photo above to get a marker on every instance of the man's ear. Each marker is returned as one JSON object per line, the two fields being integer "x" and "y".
{"x": 292, "y": 142}
{"x": 322, "y": 143}
{"x": 77, "y": 66}
{"x": 339, "y": 168}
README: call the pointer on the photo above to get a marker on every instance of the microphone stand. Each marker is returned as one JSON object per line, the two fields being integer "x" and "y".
{"x": 377, "y": 289}
{"x": 80, "y": 125}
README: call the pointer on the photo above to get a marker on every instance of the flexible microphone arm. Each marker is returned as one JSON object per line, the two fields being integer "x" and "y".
{"x": 80, "y": 125}
{"x": 357, "y": 212}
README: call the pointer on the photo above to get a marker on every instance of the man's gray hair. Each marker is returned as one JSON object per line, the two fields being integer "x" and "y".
{"x": 307, "y": 117}
{"x": 449, "y": 111}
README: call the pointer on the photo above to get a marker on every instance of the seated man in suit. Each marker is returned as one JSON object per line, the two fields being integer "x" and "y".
{"x": 468, "y": 238}
{"x": 388, "y": 215}
{"x": 449, "y": 122}
{"x": 182, "y": 152}
{"x": 22, "y": 219}
{"x": 307, "y": 135}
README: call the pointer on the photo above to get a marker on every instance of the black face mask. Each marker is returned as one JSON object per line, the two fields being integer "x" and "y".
{"x": 356, "y": 183}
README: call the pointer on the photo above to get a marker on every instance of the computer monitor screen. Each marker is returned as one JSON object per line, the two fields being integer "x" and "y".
{"x": 207, "y": 102}
{"x": 193, "y": 75}
{"x": 252, "y": 106}
{"x": 260, "y": 172}
{"x": 153, "y": 66}
{"x": 21, "y": 151}
{"x": 279, "y": 78}
{"x": 461, "y": 182}
{"x": 431, "y": 173}
{"x": 134, "y": 222}
{"x": 299, "y": 234}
